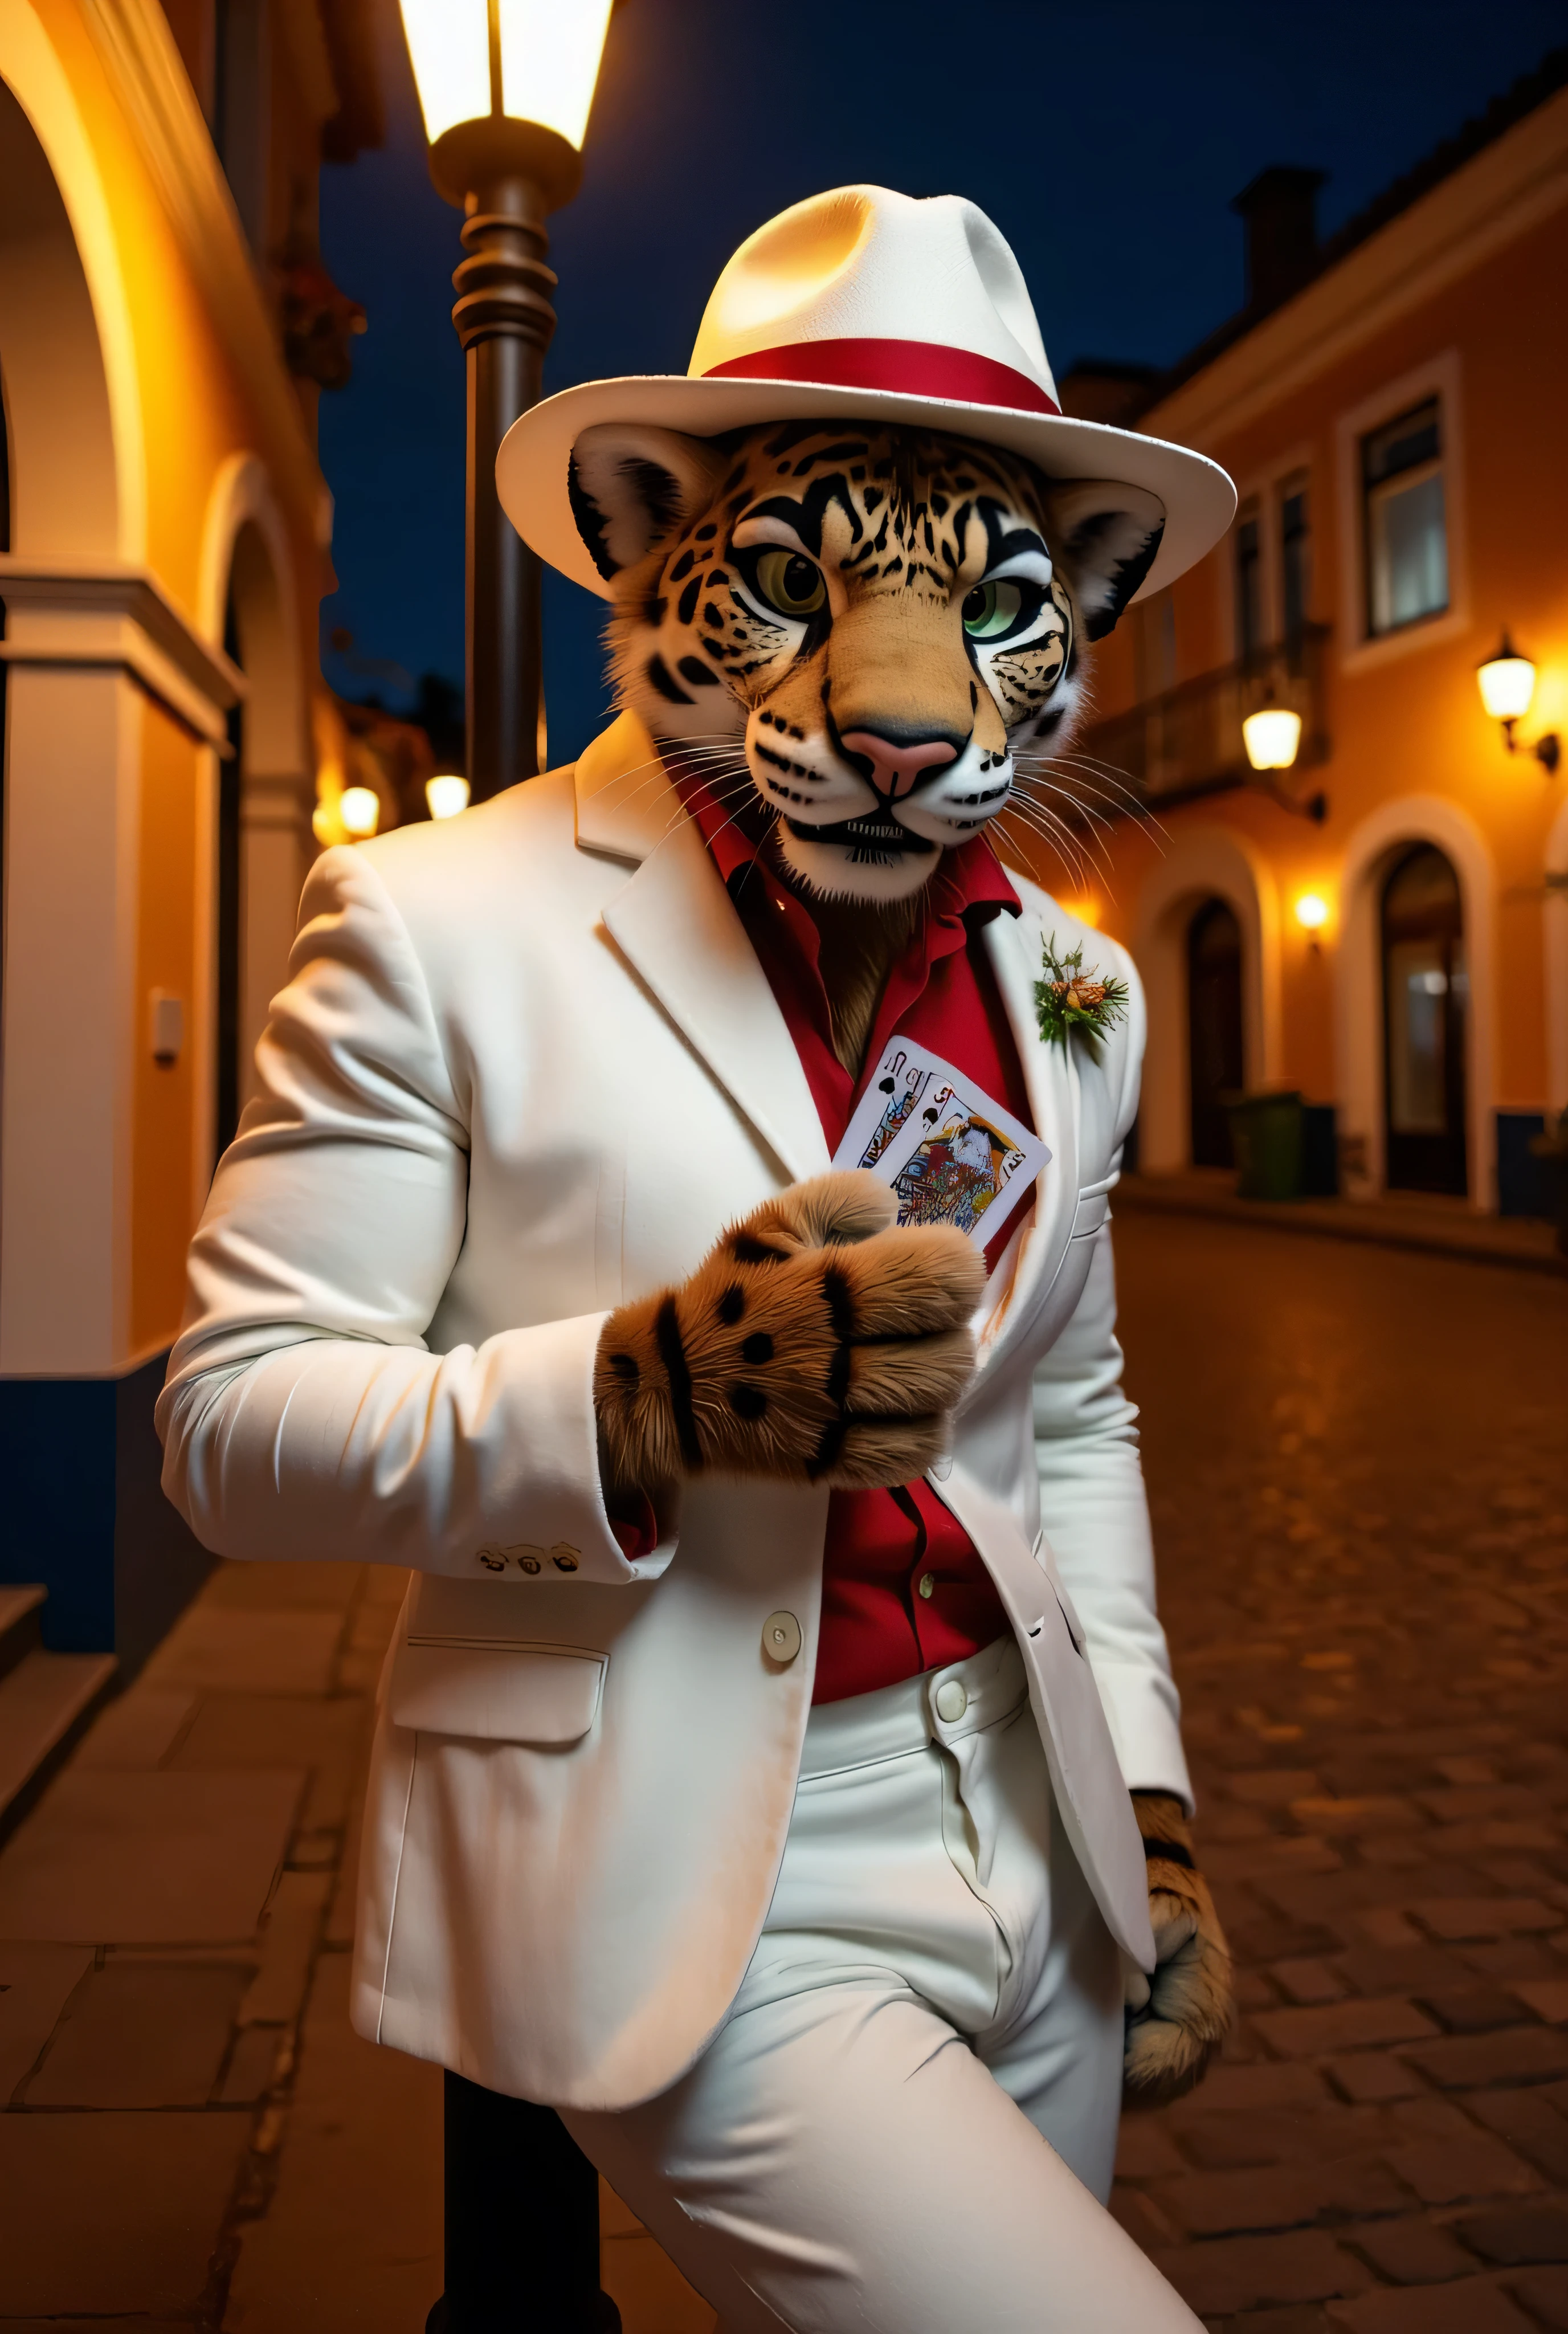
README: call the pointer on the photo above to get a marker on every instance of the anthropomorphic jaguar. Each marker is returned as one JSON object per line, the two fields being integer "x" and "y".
{"x": 881, "y": 627}
{"x": 779, "y": 1769}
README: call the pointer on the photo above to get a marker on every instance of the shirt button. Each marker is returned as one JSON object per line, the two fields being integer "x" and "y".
{"x": 781, "y": 1638}
{"x": 952, "y": 1701}
{"x": 927, "y": 1584}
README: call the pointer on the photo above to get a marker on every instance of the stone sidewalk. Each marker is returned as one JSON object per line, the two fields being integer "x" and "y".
{"x": 193, "y": 2136}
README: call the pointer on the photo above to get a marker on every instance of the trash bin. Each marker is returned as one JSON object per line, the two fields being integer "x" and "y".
{"x": 1266, "y": 1134}
{"x": 1552, "y": 1145}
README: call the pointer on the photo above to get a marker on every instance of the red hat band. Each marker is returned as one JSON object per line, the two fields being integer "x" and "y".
{"x": 899, "y": 368}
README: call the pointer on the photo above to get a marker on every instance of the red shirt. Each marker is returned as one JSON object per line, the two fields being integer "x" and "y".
{"x": 904, "y": 1589}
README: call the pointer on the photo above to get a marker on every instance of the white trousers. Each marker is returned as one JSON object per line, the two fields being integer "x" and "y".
{"x": 908, "y": 2121}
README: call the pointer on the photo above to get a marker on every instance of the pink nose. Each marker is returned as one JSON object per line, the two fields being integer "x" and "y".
{"x": 895, "y": 769}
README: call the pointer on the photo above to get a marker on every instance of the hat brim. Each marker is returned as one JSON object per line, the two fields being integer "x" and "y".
{"x": 531, "y": 469}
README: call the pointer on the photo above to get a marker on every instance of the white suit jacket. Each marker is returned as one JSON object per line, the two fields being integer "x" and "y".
{"x": 528, "y": 1066}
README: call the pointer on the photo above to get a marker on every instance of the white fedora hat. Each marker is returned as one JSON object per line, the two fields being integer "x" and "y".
{"x": 864, "y": 301}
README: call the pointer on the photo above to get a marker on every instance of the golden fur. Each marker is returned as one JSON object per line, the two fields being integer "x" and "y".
{"x": 1172, "y": 2037}
{"x": 816, "y": 1343}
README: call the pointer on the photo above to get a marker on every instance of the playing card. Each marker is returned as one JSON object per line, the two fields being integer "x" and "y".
{"x": 902, "y": 1075}
{"x": 959, "y": 1158}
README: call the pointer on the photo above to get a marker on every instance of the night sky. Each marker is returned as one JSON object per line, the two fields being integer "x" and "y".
{"x": 1105, "y": 141}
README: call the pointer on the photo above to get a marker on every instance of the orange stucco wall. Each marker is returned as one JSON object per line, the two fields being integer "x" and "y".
{"x": 164, "y": 1099}
{"x": 198, "y": 410}
{"x": 1411, "y": 723}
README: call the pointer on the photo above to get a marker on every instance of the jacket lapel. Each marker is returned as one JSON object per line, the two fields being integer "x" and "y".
{"x": 1050, "y": 1074}
{"x": 676, "y": 924}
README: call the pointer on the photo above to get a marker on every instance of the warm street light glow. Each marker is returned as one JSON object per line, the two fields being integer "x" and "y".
{"x": 360, "y": 809}
{"x": 549, "y": 54}
{"x": 1506, "y": 682}
{"x": 446, "y": 795}
{"x": 1312, "y": 911}
{"x": 449, "y": 45}
{"x": 1271, "y": 735}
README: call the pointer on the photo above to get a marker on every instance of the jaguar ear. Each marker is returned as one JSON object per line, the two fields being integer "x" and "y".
{"x": 633, "y": 488}
{"x": 1106, "y": 537}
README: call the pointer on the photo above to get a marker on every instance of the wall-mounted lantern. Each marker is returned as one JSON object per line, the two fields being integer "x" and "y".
{"x": 1312, "y": 911}
{"x": 1506, "y": 682}
{"x": 1271, "y": 736}
{"x": 446, "y": 795}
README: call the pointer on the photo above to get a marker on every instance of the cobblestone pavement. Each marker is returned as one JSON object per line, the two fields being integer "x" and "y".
{"x": 191, "y": 2135}
{"x": 1359, "y": 1467}
{"x": 1358, "y": 1464}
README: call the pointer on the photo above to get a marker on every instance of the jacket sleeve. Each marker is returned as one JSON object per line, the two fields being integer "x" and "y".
{"x": 1092, "y": 1503}
{"x": 303, "y": 1414}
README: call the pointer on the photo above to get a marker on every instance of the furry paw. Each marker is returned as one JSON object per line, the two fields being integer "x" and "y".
{"x": 816, "y": 1343}
{"x": 1175, "y": 2031}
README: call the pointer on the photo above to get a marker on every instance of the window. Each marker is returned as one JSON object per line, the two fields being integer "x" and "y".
{"x": 1405, "y": 520}
{"x": 1249, "y": 618}
{"x": 1295, "y": 557}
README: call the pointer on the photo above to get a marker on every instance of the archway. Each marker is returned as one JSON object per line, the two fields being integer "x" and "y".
{"x": 1373, "y": 853}
{"x": 1203, "y": 864}
{"x": 1215, "y": 1045}
{"x": 261, "y": 792}
{"x": 1424, "y": 994}
{"x": 66, "y": 1129}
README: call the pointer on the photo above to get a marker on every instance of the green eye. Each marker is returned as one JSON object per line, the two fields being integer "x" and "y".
{"x": 992, "y": 610}
{"x": 790, "y": 583}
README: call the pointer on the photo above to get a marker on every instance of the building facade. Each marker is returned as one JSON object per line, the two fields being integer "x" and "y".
{"x": 165, "y": 330}
{"x": 1384, "y": 924}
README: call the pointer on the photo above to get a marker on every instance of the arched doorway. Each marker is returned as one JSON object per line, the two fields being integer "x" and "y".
{"x": 1214, "y": 1048}
{"x": 264, "y": 786}
{"x": 1425, "y": 996}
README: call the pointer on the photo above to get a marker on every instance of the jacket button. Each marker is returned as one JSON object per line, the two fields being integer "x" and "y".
{"x": 926, "y": 1584}
{"x": 781, "y": 1638}
{"x": 952, "y": 1700}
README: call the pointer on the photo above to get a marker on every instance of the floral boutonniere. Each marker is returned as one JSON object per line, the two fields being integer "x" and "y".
{"x": 1071, "y": 999}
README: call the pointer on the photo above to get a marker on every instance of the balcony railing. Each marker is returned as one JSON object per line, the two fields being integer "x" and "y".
{"x": 1189, "y": 741}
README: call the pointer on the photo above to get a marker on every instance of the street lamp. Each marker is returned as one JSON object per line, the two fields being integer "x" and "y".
{"x": 505, "y": 87}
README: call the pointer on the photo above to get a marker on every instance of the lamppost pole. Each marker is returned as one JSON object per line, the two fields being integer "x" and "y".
{"x": 504, "y": 88}
{"x": 505, "y": 321}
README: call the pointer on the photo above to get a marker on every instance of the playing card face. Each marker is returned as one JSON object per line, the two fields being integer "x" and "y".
{"x": 952, "y": 1155}
{"x": 958, "y": 1158}
{"x": 902, "y": 1075}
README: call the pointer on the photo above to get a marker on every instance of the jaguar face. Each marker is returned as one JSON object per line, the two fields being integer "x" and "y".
{"x": 868, "y": 626}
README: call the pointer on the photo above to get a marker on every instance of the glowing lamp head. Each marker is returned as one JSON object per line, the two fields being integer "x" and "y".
{"x": 1271, "y": 737}
{"x": 1506, "y": 682}
{"x": 486, "y": 68}
{"x": 446, "y": 795}
{"x": 360, "y": 809}
{"x": 1312, "y": 911}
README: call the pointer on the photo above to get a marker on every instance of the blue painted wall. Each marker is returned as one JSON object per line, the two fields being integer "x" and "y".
{"x": 83, "y": 1512}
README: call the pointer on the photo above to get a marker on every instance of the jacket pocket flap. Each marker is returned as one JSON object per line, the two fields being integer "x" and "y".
{"x": 496, "y": 1693}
